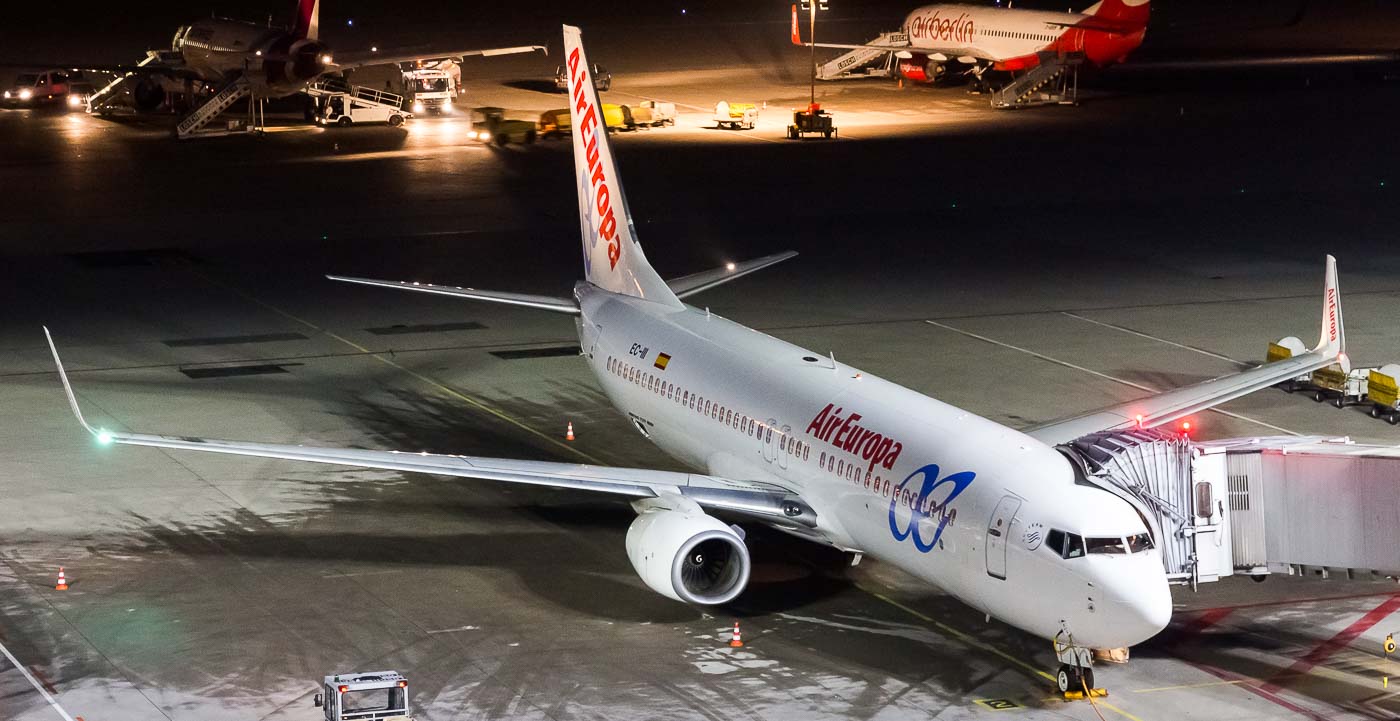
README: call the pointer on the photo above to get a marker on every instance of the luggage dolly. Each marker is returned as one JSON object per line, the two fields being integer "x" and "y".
{"x": 1075, "y": 677}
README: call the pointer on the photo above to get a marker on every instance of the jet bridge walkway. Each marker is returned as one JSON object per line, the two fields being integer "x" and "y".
{"x": 1256, "y": 505}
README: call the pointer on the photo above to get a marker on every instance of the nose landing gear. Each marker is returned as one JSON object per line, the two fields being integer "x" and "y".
{"x": 1075, "y": 677}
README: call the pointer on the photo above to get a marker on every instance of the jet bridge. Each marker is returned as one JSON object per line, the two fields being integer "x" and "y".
{"x": 1255, "y": 505}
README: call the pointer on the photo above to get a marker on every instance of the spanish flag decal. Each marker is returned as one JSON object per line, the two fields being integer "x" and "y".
{"x": 661, "y": 360}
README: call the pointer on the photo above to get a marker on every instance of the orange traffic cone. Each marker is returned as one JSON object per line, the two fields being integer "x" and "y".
{"x": 569, "y": 434}
{"x": 737, "y": 641}
{"x": 62, "y": 584}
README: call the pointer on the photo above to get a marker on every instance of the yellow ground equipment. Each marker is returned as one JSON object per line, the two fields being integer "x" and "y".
{"x": 1383, "y": 391}
{"x": 735, "y": 116}
{"x": 555, "y": 123}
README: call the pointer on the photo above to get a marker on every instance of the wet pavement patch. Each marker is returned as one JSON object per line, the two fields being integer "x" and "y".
{"x": 425, "y": 328}
{"x": 554, "y": 352}
{"x": 233, "y": 339}
{"x": 234, "y": 371}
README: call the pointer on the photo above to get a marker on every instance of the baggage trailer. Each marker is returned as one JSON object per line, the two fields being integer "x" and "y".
{"x": 661, "y": 113}
{"x": 735, "y": 116}
{"x": 1344, "y": 387}
{"x": 366, "y": 696}
{"x": 1384, "y": 394}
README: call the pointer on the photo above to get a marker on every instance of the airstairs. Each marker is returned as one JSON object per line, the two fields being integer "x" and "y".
{"x": 1055, "y": 81}
{"x": 105, "y": 99}
{"x": 193, "y": 125}
{"x": 362, "y": 95}
{"x": 866, "y": 62}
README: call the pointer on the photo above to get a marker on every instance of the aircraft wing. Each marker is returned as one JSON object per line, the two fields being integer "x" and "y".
{"x": 769, "y": 503}
{"x": 1181, "y": 402}
{"x": 347, "y": 59}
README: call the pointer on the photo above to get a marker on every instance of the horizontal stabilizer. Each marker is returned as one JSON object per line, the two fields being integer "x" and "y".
{"x": 540, "y": 302}
{"x": 689, "y": 285}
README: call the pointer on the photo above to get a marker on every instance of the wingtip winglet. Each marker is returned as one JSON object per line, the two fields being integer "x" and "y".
{"x": 67, "y": 387}
{"x": 1332, "y": 340}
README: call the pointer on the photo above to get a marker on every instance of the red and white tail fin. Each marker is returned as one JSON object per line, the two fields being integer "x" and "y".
{"x": 1131, "y": 14}
{"x": 308, "y": 19}
{"x": 612, "y": 258}
{"x": 1334, "y": 338}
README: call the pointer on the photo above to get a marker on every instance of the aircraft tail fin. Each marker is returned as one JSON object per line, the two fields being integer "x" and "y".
{"x": 1127, "y": 13}
{"x": 308, "y": 19}
{"x": 612, "y": 257}
{"x": 1333, "y": 340}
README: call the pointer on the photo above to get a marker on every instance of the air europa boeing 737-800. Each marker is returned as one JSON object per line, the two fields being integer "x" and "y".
{"x": 790, "y": 438}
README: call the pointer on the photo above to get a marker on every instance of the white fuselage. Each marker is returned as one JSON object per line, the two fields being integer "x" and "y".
{"x": 741, "y": 404}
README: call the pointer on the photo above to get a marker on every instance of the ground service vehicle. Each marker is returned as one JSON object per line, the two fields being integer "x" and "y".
{"x": 602, "y": 79}
{"x": 361, "y": 105}
{"x": 491, "y": 125}
{"x": 735, "y": 115}
{"x": 430, "y": 90}
{"x": 369, "y": 696}
{"x": 53, "y": 86}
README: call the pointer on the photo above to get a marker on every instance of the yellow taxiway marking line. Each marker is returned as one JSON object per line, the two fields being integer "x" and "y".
{"x": 502, "y": 415}
{"x": 983, "y": 646}
{"x": 1188, "y": 686}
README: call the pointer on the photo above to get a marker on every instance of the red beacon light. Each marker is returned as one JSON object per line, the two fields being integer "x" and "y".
{"x": 1186, "y": 427}
{"x": 1139, "y": 420}
{"x": 403, "y": 684}
{"x": 343, "y": 689}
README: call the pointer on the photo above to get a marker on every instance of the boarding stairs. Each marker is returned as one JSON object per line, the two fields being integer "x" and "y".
{"x": 1055, "y": 81}
{"x": 105, "y": 99}
{"x": 232, "y": 91}
{"x": 866, "y": 62}
{"x": 362, "y": 95}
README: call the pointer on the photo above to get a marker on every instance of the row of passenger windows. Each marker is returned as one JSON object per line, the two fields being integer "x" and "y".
{"x": 707, "y": 407}
{"x": 1072, "y": 545}
{"x": 857, "y": 473}
{"x": 1020, "y": 36}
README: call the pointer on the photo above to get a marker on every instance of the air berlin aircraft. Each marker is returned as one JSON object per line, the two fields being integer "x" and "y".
{"x": 1007, "y": 39}
{"x": 788, "y": 438}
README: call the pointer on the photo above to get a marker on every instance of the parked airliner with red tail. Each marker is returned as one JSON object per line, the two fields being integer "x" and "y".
{"x": 938, "y": 38}
{"x": 1002, "y": 519}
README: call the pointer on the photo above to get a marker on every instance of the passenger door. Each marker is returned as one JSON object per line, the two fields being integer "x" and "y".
{"x": 998, "y": 530}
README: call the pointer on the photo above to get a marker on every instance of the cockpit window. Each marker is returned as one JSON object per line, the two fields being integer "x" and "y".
{"x": 1140, "y": 542}
{"x": 1068, "y": 545}
{"x": 1106, "y": 545}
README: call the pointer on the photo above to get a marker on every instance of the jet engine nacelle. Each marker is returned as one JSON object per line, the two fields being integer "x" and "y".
{"x": 292, "y": 61}
{"x": 921, "y": 69}
{"x": 148, "y": 94}
{"x": 688, "y": 556}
